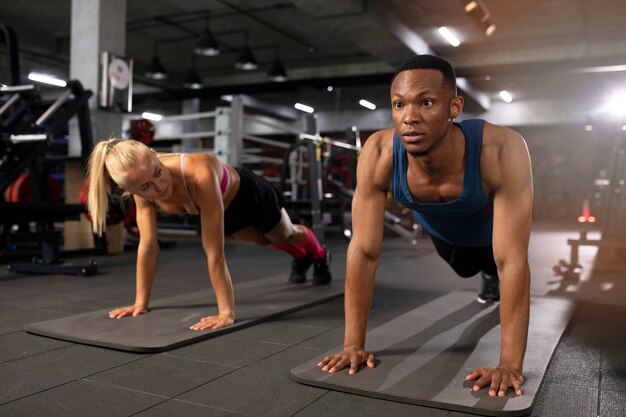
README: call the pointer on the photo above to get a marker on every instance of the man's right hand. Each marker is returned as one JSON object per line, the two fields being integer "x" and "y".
{"x": 350, "y": 356}
{"x": 118, "y": 313}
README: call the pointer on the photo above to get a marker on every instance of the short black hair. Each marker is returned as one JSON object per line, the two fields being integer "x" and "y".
{"x": 430, "y": 62}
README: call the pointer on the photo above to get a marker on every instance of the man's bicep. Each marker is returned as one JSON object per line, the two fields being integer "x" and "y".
{"x": 513, "y": 205}
{"x": 368, "y": 209}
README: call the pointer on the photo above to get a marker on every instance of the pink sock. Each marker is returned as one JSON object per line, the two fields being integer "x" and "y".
{"x": 296, "y": 251}
{"x": 312, "y": 245}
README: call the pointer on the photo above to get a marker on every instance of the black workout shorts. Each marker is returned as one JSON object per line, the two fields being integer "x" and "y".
{"x": 256, "y": 204}
{"x": 466, "y": 261}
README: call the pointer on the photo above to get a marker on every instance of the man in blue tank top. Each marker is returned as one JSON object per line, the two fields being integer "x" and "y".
{"x": 469, "y": 185}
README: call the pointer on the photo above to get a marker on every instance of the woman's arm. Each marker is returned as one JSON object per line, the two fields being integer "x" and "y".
{"x": 204, "y": 187}
{"x": 147, "y": 256}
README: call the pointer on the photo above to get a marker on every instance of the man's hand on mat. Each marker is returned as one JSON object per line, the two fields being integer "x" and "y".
{"x": 118, "y": 313}
{"x": 350, "y": 356}
{"x": 498, "y": 379}
{"x": 214, "y": 322}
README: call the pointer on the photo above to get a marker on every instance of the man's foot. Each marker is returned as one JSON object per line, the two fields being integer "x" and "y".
{"x": 321, "y": 273}
{"x": 490, "y": 288}
{"x": 299, "y": 268}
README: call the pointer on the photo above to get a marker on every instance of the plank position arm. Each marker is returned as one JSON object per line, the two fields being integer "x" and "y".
{"x": 368, "y": 208}
{"x": 511, "y": 233}
{"x": 147, "y": 256}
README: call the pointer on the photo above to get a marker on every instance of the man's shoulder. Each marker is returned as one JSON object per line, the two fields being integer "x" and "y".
{"x": 498, "y": 139}
{"x": 380, "y": 140}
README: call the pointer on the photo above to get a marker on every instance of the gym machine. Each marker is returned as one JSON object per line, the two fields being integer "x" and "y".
{"x": 612, "y": 216}
{"x": 25, "y": 131}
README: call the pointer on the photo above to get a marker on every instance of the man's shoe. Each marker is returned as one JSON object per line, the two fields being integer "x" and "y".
{"x": 299, "y": 268}
{"x": 490, "y": 289}
{"x": 321, "y": 273}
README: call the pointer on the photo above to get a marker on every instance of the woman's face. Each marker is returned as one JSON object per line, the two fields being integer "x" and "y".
{"x": 149, "y": 178}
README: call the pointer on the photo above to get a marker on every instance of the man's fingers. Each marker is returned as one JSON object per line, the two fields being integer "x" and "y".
{"x": 473, "y": 375}
{"x": 482, "y": 381}
{"x": 517, "y": 386}
{"x": 371, "y": 362}
{"x": 496, "y": 382}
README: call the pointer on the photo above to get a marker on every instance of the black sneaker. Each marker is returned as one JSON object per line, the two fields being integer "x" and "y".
{"x": 299, "y": 268}
{"x": 321, "y": 273}
{"x": 490, "y": 289}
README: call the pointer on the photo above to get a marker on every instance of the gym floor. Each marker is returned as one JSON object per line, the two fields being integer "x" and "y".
{"x": 246, "y": 373}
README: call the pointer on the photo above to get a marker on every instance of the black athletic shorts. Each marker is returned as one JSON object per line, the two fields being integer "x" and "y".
{"x": 466, "y": 261}
{"x": 256, "y": 204}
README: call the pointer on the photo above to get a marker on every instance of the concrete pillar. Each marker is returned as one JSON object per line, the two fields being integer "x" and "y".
{"x": 97, "y": 26}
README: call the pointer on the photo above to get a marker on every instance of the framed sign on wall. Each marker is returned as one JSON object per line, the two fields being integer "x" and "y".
{"x": 116, "y": 82}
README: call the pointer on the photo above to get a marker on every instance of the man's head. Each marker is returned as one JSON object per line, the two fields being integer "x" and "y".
{"x": 424, "y": 103}
{"x": 431, "y": 62}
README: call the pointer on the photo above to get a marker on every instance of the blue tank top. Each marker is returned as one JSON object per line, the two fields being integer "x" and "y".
{"x": 465, "y": 221}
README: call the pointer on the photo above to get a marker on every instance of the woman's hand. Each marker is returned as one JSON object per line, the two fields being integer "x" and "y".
{"x": 214, "y": 322}
{"x": 135, "y": 310}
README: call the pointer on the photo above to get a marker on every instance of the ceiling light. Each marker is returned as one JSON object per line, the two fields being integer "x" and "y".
{"x": 46, "y": 79}
{"x": 470, "y": 6}
{"x": 151, "y": 116}
{"x": 207, "y": 45}
{"x": 624, "y": 127}
{"x": 506, "y": 96}
{"x": 617, "y": 103}
{"x": 490, "y": 29}
{"x": 452, "y": 40}
{"x": 367, "y": 104}
{"x": 193, "y": 80}
{"x": 155, "y": 70}
{"x": 588, "y": 128}
{"x": 304, "y": 108}
{"x": 245, "y": 60}
{"x": 277, "y": 72}
{"x": 329, "y": 88}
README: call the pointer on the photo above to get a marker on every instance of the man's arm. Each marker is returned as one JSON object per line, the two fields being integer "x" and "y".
{"x": 368, "y": 207}
{"x": 511, "y": 232}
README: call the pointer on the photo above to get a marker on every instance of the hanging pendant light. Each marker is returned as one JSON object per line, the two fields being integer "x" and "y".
{"x": 246, "y": 60}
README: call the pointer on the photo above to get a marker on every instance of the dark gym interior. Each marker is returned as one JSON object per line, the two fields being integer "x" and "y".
{"x": 224, "y": 77}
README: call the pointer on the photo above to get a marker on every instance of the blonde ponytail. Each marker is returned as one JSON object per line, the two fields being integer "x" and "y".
{"x": 110, "y": 159}
{"x": 99, "y": 187}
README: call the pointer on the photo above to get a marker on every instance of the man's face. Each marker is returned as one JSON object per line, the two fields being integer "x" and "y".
{"x": 421, "y": 109}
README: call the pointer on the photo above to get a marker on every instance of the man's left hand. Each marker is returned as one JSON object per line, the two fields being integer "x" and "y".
{"x": 498, "y": 379}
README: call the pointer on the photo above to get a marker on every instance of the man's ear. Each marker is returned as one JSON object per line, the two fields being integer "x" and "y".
{"x": 456, "y": 106}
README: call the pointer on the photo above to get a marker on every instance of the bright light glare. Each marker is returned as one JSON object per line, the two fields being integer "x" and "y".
{"x": 624, "y": 127}
{"x": 304, "y": 107}
{"x": 470, "y": 6}
{"x": 589, "y": 128}
{"x": 367, "y": 104}
{"x": 151, "y": 116}
{"x": 617, "y": 103}
{"x": 46, "y": 79}
{"x": 506, "y": 96}
{"x": 445, "y": 32}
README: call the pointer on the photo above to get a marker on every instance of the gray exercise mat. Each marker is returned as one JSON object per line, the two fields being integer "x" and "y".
{"x": 424, "y": 355}
{"x": 166, "y": 326}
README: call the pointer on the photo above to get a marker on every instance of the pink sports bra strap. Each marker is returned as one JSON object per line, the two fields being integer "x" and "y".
{"x": 225, "y": 179}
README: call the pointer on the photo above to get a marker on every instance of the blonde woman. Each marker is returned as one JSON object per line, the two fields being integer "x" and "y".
{"x": 228, "y": 200}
